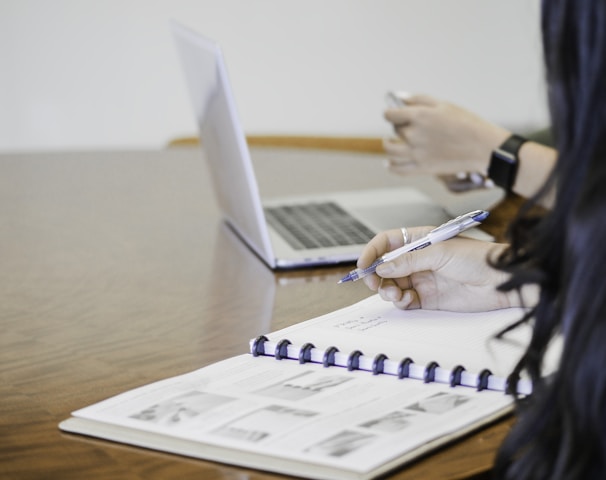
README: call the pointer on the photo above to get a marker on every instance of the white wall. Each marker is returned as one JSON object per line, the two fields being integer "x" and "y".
{"x": 104, "y": 74}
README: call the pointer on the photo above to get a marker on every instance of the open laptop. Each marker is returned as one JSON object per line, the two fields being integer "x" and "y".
{"x": 268, "y": 228}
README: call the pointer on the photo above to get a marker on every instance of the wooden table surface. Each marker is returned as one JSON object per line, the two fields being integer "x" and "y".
{"x": 117, "y": 271}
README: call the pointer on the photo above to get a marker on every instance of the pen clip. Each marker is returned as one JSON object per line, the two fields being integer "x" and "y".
{"x": 463, "y": 221}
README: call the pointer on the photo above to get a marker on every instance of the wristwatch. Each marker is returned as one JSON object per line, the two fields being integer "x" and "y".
{"x": 503, "y": 166}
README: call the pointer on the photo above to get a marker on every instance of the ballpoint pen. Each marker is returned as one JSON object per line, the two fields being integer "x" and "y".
{"x": 445, "y": 231}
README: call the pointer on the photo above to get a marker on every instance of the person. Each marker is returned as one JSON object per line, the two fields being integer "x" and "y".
{"x": 555, "y": 261}
{"x": 440, "y": 137}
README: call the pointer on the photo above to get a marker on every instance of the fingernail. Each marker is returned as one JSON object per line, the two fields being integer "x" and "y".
{"x": 406, "y": 298}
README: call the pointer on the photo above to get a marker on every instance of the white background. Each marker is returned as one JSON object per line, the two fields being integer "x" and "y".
{"x": 84, "y": 74}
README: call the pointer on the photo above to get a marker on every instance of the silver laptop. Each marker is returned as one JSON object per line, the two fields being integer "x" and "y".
{"x": 278, "y": 232}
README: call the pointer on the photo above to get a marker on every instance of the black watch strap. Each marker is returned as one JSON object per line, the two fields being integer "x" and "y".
{"x": 503, "y": 167}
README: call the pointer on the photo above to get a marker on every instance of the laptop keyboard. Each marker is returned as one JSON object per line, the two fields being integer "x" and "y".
{"x": 317, "y": 225}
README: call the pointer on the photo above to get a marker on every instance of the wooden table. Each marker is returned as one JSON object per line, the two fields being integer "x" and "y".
{"x": 117, "y": 270}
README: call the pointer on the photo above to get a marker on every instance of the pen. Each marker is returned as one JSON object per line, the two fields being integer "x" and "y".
{"x": 445, "y": 231}
{"x": 396, "y": 99}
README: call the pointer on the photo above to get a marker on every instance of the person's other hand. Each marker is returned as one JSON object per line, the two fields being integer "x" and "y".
{"x": 439, "y": 137}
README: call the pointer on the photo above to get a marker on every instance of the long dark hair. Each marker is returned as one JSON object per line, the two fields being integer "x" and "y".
{"x": 560, "y": 431}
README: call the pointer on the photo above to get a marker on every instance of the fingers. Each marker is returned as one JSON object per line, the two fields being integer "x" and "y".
{"x": 401, "y": 294}
{"x": 418, "y": 99}
{"x": 399, "y": 155}
{"x": 400, "y": 150}
{"x": 403, "y": 116}
{"x": 412, "y": 262}
{"x": 389, "y": 291}
{"x": 382, "y": 243}
{"x": 410, "y": 300}
{"x": 400, "y": 117}
{"x": 396, "y": 148}
{"x": 385, "y": 242}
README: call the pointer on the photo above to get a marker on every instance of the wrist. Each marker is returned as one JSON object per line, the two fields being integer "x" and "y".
{"x": 536, "y": 163}
{"x": 504, "y": 162}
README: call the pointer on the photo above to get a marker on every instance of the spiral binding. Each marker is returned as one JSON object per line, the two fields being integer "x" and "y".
{"x": 404, "y": 367}
{"x": 353, "y": 361}
{"x": 430, "y": 372}
{"x": 378, "y": 364}
{"x": 258, "y": 347}
{"x": 282, "y": 349}
{"x": 305, "y": 353}
{"x": 483, "y": 379}
{"x": 329, "y": 356}
{"x": 455, "y": 375}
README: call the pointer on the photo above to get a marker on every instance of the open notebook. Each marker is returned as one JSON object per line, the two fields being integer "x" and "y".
{"x": 288, "y": 232}
{"x": 352, "y": 394}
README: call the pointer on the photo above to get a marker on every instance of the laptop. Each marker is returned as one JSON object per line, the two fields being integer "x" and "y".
{"x": 276, "y": 230}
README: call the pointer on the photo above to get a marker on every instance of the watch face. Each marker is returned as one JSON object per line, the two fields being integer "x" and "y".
{"x": 503, "y": 168}
{"x": 505, "y": 156}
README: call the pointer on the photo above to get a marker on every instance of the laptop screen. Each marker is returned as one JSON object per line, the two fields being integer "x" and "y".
{"x": 222, "y": 138}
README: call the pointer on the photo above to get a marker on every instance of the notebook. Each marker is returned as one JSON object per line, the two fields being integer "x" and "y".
{"x": 351, "y": 394}
{"x": 275, "y": 229}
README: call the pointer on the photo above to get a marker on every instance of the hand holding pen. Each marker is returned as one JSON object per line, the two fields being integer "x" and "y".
{"x": 439, "y": 234}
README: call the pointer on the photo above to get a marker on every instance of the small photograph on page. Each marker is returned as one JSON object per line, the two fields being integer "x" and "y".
{"x": 441, "y": 402}
{"x": 180, "y": 409}
{"x": 342, "y": 444}
{"x": 390, "y": 423}
{"x": 303, "y": 386}
{"x": 263, "y": 423}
